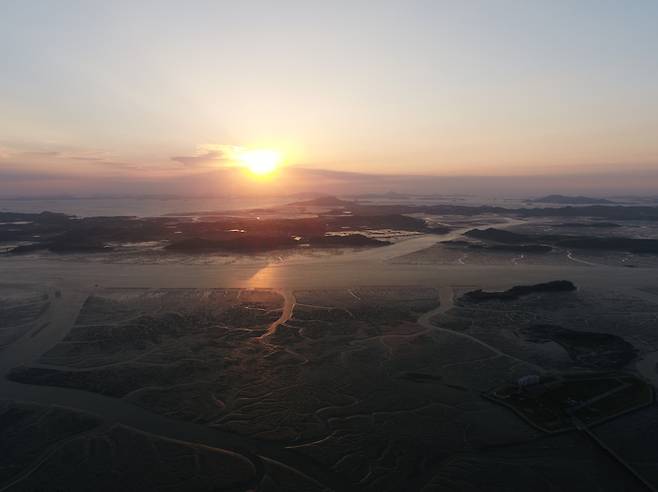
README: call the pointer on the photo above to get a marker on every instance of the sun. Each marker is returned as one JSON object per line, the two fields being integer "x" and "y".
{"x": 260, "y": 162}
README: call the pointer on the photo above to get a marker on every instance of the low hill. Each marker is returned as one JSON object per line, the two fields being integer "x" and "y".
{"x": 324, "y": 201}
{"x": 519, "y": 291}
{"x": 571, "y": 200}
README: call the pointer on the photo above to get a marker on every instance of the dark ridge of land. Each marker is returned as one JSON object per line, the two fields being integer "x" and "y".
{"x": 349, "y": 240}
{"x": 610, "y": 212}
{"x": 456, "y": 242}
{"x": 601, "y": 225}
{"x": 389, "y": 195}
{"x": 499, "y": 236}
{"x": 61, "y": 247}
{"x": 306, "y": 195}
{"x": 612, "y": 244}
{"x": 631, "y": 245}
{"x": 519, "y": 291}
{"x": 42, "y": 217}
{"x": 571, "y": 200}
{"x": 514, "y": 248}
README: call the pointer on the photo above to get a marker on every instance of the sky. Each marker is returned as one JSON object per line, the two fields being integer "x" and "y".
{"x": 98, "y": 94}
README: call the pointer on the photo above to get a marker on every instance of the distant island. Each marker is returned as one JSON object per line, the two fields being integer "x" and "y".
{"x": 519, "y": 291}
{"x": 571, "y": 200}
{"x": 612, "y": 243}
{"x": 27, "y": 233}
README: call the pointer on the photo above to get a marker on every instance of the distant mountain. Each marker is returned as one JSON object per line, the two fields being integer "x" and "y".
{"x": 389, "y": 195}
{"x": 306, "y": 195}
{"x": 571, "y": 200}
{"x": 324, "y": 201}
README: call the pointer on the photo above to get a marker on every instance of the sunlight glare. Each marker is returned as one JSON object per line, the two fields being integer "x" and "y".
{"x": 261, "y": 161}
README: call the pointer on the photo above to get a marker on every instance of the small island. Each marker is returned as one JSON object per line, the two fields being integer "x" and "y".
{"x": 519, "y": 291}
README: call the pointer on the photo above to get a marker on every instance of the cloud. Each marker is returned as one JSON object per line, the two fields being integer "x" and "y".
{"x": 12, "y": 175}
{"x": 41, "y": 153}
{"x": 85, "y": 158}
{"x": 75, "y": 155}
{"x": 124, "y": 166}
{"x": 339, "y": 175}
{"x": 46, "y": 151}
{"x": 4, "y": 152}
{"x": 199, "y": 160}
{"x": 211, "y": 156}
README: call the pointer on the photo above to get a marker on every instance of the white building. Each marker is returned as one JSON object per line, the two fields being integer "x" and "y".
{"x": 529, "y": 380}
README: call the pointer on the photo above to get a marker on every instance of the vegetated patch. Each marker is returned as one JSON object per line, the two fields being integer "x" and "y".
{"x": 558, "y": 402}
{"x": 519, "y": 291}
{"x": 587, "y": 349}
